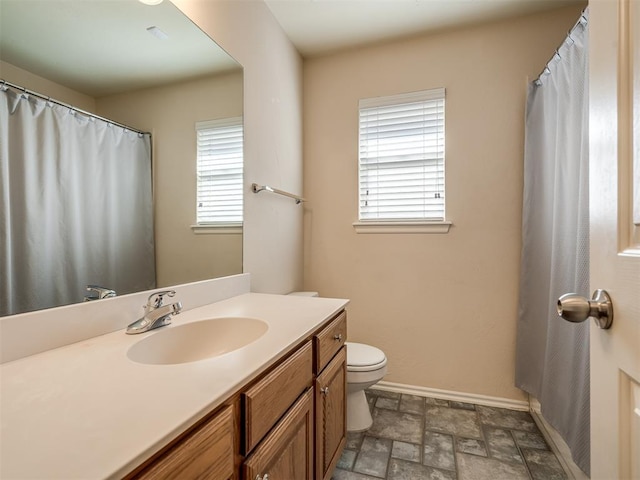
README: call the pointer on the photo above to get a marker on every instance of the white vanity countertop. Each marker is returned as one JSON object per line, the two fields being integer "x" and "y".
{"x": 87, "y": 411}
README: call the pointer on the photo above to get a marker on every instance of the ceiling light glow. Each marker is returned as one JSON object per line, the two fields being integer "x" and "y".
{"x": 151, "y": 2}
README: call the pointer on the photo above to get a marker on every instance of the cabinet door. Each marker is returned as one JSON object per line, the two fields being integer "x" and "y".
{"x": 204, "y": 454}
{"x": 286, "y": 453}
{"x": 331, "y": 414}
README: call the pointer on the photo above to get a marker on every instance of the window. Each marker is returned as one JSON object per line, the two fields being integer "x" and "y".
{"x": 401, "y": 159}
{"x": 219, "y": 172}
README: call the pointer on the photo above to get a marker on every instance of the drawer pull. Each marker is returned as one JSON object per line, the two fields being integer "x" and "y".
{"x": 324, "y": 390}
{"x": 262, "y": 477}
{"x": 338, "y": 337}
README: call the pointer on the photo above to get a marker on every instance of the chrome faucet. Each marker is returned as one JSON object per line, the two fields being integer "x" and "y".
{"x": 98, "y": 293}
{"x": 156, "y": 314}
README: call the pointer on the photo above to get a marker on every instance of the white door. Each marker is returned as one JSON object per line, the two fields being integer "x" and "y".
{"x": 614, "y": 141}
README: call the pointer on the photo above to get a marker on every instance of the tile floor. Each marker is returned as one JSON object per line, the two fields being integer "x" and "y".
{"x": 425, "y": 438}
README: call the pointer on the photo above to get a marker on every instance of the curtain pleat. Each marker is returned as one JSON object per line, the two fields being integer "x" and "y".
{"x": 76, "y": 208}
{"x": 552, "y": 358}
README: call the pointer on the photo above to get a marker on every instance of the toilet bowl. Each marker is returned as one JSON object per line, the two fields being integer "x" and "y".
{"x": 366, "y": 366}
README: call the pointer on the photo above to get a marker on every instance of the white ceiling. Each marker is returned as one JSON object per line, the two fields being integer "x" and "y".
{"x": 100, "y": 47}
{"x": 320, "y": 26}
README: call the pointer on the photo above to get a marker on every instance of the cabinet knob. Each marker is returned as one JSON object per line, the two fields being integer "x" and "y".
{"x": 324, "y": 390}
{"x": 338, "y": 337}
{"x": 262, "y": 477}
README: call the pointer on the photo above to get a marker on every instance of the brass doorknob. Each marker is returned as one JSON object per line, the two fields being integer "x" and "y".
{"x": 575, "y": 308}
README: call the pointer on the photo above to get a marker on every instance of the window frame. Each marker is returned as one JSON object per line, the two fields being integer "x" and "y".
{"x": 401, "y": 225}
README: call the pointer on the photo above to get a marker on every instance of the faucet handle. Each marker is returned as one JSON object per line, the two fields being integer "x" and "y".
{"x": 155, "y": 299}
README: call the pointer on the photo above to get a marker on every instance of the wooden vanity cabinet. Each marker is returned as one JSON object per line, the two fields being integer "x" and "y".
{"x": 287, "y": 451}
{"x": 278, "y": 423}
{"x": 330, "y": 396}
{"x": 289, "y": 424}
{"x": 328, "y": 341}
{"x": 308, "y": 441}
{"x": 205, "y": 452}
{"x": 269, "y": 398}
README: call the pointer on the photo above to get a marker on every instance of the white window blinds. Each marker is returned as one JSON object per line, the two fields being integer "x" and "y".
{"x": 401, "y": 157}
{"x": 219, "y": 172}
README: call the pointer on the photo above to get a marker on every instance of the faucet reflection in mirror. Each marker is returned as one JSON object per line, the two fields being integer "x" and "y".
{"x": 57, "y": 165}
{"x": 97, "y": 292}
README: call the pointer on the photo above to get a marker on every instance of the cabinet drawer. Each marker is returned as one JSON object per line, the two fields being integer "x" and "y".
{"x": 329, "y": 340}
{"x": 206, "y": 453}
{"x": 266, "y": 401}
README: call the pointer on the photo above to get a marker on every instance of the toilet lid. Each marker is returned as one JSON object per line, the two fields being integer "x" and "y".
{"x": 361, "y": 355}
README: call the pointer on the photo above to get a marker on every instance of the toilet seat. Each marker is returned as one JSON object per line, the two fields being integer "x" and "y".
{"x": 364, "y": 358}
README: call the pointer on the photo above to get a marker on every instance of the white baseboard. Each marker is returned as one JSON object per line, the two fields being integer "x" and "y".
{"x": 556, "y": 443}
{"x": 485, "y": 400}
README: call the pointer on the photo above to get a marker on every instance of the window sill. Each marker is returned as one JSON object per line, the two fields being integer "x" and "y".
{"x": 221, "y": 229}
{"x": 402, "y": 227}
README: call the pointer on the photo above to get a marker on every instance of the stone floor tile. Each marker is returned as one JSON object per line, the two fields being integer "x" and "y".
{"x": 417, "y": 438}
{"x": 472, "y": 446}
{"x": 403, "y": 470}
{"x": 354, "y": 440}
{"x": 472, "y": 467}
{"x": 543, "y": 465}
{"x": 405, "y": 427}
{"x": 455, "y": 421}
{"x": 347, "y": 459}
{"x": 501, "y": 445}
{"x": 436, "y": 401}
{"x": 339, "y": 474}
{"x": 388, "y": 403}
{"x": 373, "y": 457}
{"x": 463, "y": 405}
{"x": 405, "y": 451}
{"x": 511, "y": 419}
{"x": 438, "y": 451}
{"x": 530, "y": 440}
{"x": 412, "y": 404}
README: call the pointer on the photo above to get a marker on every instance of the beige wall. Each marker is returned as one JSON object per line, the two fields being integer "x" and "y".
{"x": 247, "y": 30}
{"x": 41, "y": 85}
{"x": 442, "y": 307}
{"x": 170, "y": 113}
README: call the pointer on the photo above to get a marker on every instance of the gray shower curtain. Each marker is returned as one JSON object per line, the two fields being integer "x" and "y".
{"x": 75, "y": 205}
{"x": 552, "y": 361}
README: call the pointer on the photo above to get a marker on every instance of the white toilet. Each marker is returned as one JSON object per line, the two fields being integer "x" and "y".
{"x": 366, "y": 366}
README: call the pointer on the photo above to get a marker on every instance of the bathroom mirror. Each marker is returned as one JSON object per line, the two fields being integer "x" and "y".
{"x": 105, "y": 57}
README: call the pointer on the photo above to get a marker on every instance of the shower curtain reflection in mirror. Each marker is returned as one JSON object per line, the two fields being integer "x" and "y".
{"x": 76, "y": 205}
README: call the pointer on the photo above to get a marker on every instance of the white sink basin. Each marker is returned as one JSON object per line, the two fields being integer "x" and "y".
{"x": 197, "y": 340}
